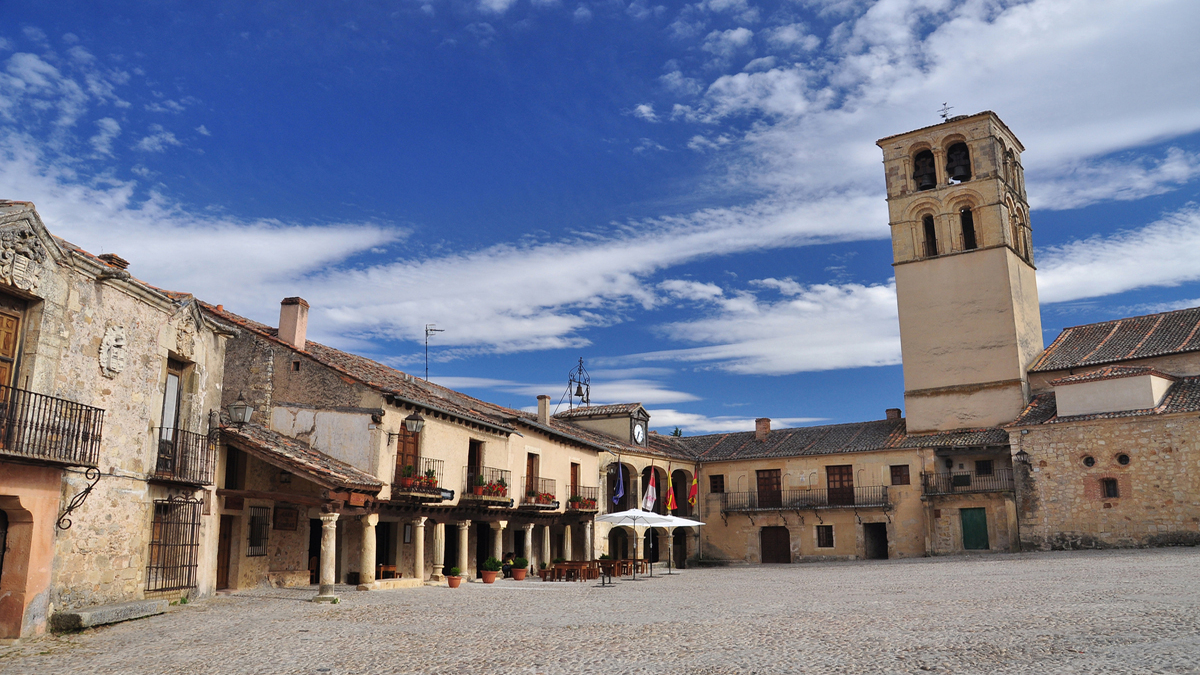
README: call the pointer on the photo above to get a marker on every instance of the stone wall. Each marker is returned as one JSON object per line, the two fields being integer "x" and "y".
{"x": 1062, "y": 504}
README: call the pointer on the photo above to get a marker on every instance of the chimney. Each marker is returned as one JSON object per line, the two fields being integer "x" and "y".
{"x": 293, "y": 322}
{"x": 544, "y": 409}
{"x": 893, "y": 413}
{"x": 114, "y": 260}
{"x": 762, "y": 427}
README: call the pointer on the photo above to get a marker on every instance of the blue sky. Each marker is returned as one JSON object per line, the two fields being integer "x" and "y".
{"x": 687, "y": 195}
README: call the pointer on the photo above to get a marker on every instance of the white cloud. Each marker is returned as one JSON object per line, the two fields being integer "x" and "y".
{"x": 109, "y": 129}
{"x": 166, "y": 106}
{"x": 763, "y": 63}
{"x": 1160, "y": 254}
{"x": 604, "y": 390}
{"x": 739, "y": 9}
{"x": 496, "y": 6}
{"x": 645, "y": 111}
{"x": 690, "y": 290}
{"x": 725, "y": 43}
{"x": 484, "y": 32}
{"x": 203, "y": 130}
{"x": 693, "y": 424}
{"x": 792, "y": 37}
{"x": 646, "y": 144}
{"x": 582, "y": 14}
{"x": 158, "y": 140}
{"x": 676, "y": 82}
{"x": 1088, "y": 182}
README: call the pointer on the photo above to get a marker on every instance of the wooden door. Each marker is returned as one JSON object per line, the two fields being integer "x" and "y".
{"x": 974, "y": 529}
{"x": 531, "y": 474}
{"x": 10, "y": 337}
{"x": 406, "y": 454}
{"x": 840, "y": 480}
{"x": 776, "y": 544}
{"x": 224, "y": 542}
{"x": 574, "y": 480}
{"x": 769, "y": 495}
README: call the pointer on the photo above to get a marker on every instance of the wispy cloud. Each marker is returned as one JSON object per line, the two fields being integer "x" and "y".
{"x": 694, "y": 423}
{"x": 158, "y": 140}
{"x": 1088, "y": 182}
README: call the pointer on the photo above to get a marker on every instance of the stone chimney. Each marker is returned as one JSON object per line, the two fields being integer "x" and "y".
{"x": 114, "y": 260}
{"x": 762, "y": 428}
{"x": 893, "y": 413}
{"x": 544, "y": 409}
{"x": 293, "y": 322}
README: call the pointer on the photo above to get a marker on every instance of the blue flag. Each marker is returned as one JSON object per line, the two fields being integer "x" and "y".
{"x": 620, "y": 486}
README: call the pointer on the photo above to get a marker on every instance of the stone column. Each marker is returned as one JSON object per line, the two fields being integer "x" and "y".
{"x": 419, "y": 548}
{"x": 568, "y": 548}
{"x": 546, "y": 545}
{"x": 498, "y": 539}
{"x": 328, "y": 558}
{"x": 588, "y": 546}
{"x": 366, "y": 564}
{"x": 439, "y": 552}
{"x": 464, "y": 528}
{"x": 528, "y": 527}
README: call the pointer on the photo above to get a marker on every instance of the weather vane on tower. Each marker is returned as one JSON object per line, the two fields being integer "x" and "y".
{"x": 945, "y": 111}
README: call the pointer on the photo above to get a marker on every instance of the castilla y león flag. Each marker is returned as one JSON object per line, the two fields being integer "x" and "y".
{"x": 651, "y": 495}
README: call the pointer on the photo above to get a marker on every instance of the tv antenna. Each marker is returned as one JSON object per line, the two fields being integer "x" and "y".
{"x": 579, "y": 386}
{"x": 430, "y": 329}
{"x": 945, "y": 111}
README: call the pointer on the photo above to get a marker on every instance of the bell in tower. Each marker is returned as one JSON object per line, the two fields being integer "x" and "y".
{"x": 966, "y": 288}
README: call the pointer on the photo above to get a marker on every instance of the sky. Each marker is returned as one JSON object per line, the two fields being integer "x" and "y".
{"x": 688, "y": 196}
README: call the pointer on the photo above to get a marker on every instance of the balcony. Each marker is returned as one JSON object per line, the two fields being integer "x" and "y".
{"x": 873, "y": 496}
{"x": 966, "y": 482}
{"x": 420, "y": 482}
{"x": 48, "y": 429}
{"x": 538, "y": 493}
{"x": 185, "y": 457}
{"x": 486, "y": 485}
{"x": 583, "y": 499}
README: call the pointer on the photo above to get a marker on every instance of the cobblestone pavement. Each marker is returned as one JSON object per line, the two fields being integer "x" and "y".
{"x": 1078, "y": 612}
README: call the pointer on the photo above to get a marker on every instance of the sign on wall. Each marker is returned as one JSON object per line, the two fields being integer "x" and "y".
{"x": 286, "y": 518}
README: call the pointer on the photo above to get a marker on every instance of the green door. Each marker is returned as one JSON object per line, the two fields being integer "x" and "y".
{"x": 974, "y": 524}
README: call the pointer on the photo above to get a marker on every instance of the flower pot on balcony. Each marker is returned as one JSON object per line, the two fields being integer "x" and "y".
{"x": 453, "y": 582}
{"x": 406, "y": 482}
{"x": 489, "y": 577}
{"x": 478, "y": 490}
{"x": 519, "y": 574}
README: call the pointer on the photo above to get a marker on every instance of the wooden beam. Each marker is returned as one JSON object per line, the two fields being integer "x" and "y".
{"x": 275, "y": 496}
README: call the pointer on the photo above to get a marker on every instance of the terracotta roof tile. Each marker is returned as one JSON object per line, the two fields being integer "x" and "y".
{"x": 300, "y": 458}
{"x": 596, "y": 410}
{"x": 1182, "y": 397}
{"x": 1136, "y": 337}
{"x": 1110, "y": 373}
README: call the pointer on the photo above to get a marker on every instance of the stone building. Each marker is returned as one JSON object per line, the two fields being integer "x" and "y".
{"x": 107, "y": 386}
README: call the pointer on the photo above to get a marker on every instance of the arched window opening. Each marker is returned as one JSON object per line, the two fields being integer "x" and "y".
{"x": 958, "y": 162}
{"x": 930, "y": 237}
{"x": 968, "y": 230}
{"x": 924, "y": 172}
{"x": 1017, "y": 240}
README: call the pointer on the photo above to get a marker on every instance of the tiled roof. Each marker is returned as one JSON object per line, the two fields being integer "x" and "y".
{"x": 598, "y": 410}
{"x": 1137, "y": 337}
{"x": 1110, "y": 373}
{"x": 1182, "y": 397}
{"x": 299, "y": 458}
{"x": 388, "y": 380}
{"x": 964, "y": 438}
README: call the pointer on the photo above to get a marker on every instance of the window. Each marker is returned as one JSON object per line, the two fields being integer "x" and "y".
{"x": 930, "y": 237}
{"x": 295, "y": 366}
{"x": 1108, "y": 486}
{"x": 1123, "y": 459}
{"x": 900, "y": 475}
{"x": 824, "y": 536}
{"x": 983, "y": 467}
{"x": 958, "y": 162}
{"x": 234, "y": 464}
{"x": 1089, "y": 461}
{"x": 260, "y": 521}
{"x": 174, "y": 545}
{"x": 716, "y": 484}
{"x": 968, "y": 230}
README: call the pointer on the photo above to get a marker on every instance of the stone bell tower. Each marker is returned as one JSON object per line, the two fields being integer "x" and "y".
{"x": 965, "y": 281}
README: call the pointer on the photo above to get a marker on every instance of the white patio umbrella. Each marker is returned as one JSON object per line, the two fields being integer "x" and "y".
{"x": 672, "y": 523}
{"x": 638, "y": 519}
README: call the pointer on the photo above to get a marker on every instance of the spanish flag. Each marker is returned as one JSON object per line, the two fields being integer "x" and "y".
{"x": 671, "y": 505}
{"x": 693, "y": 492}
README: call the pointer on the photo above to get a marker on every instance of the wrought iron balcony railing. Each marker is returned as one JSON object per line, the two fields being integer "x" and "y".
{"x": 484, "y": 483}
{"x": 821, "y": 498}
{"x": 423, "y": 478}
{"x": 36, "y": 426}
{"x": 185, "y": 456}
{"x": 538, "y": 491}
{"x": 963, "y": 482}
{"x": 581, "y": 498}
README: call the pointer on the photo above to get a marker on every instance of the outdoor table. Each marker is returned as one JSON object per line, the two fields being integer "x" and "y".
{"x": 610, "y": 567}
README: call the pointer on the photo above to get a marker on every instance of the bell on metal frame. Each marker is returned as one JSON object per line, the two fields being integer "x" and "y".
{"x": 923, "y": 171}
{"x": 958, "y": 162}
{"x": 579, "y": 391}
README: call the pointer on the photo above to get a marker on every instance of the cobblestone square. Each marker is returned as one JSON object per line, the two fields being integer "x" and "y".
{"x": 1134, "y": 611}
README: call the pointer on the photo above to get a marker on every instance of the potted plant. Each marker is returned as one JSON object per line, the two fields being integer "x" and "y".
{"x": 454, "y": 578}
{"x": 519, "y": 567}
{"x": 406, "y": 479}
{"x": 502, "y": 488}
{"x": 491, "y": 567}
{"x": 477, "y": 488}
{"x": 574, "y": 501}
{"x": 545, "y": 498}
{"x": 589, "y": 503}
{"x": 430, "y": 478}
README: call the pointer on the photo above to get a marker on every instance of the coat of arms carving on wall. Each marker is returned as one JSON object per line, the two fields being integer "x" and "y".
{"x": 185, "y": 337}
{"x": 21, "y": 257}
{"x": 112, "y": 351}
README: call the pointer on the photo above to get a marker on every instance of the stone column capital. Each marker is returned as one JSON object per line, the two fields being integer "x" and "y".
{"x": 528, "y": 527}
{"x": 464, "y": 525}
{"x": 499, "y": 524}
{"x": 371, "y": 519}
{"x": 420, "y": 521}
{"x": 328, "y": 519}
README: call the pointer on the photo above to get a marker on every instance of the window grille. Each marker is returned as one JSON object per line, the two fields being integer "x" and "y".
{"x": 716, "y": 484}
{"x": 174, "y": 545}
{"x": 900, "y": 475}
{"x": 260, "y": 522}
{"x": 825, "y": 536}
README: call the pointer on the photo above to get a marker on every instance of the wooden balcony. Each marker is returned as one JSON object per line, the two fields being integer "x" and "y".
{"x": 185, "y": 457}
{"x": 874, "y": 496}
{"x": 966, "y": 482}
{"x": 47, "y": 429}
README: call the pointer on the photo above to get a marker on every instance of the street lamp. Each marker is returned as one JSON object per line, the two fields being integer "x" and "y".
{"x": 240, "y": 411}
{"x": 414, "y": 423}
